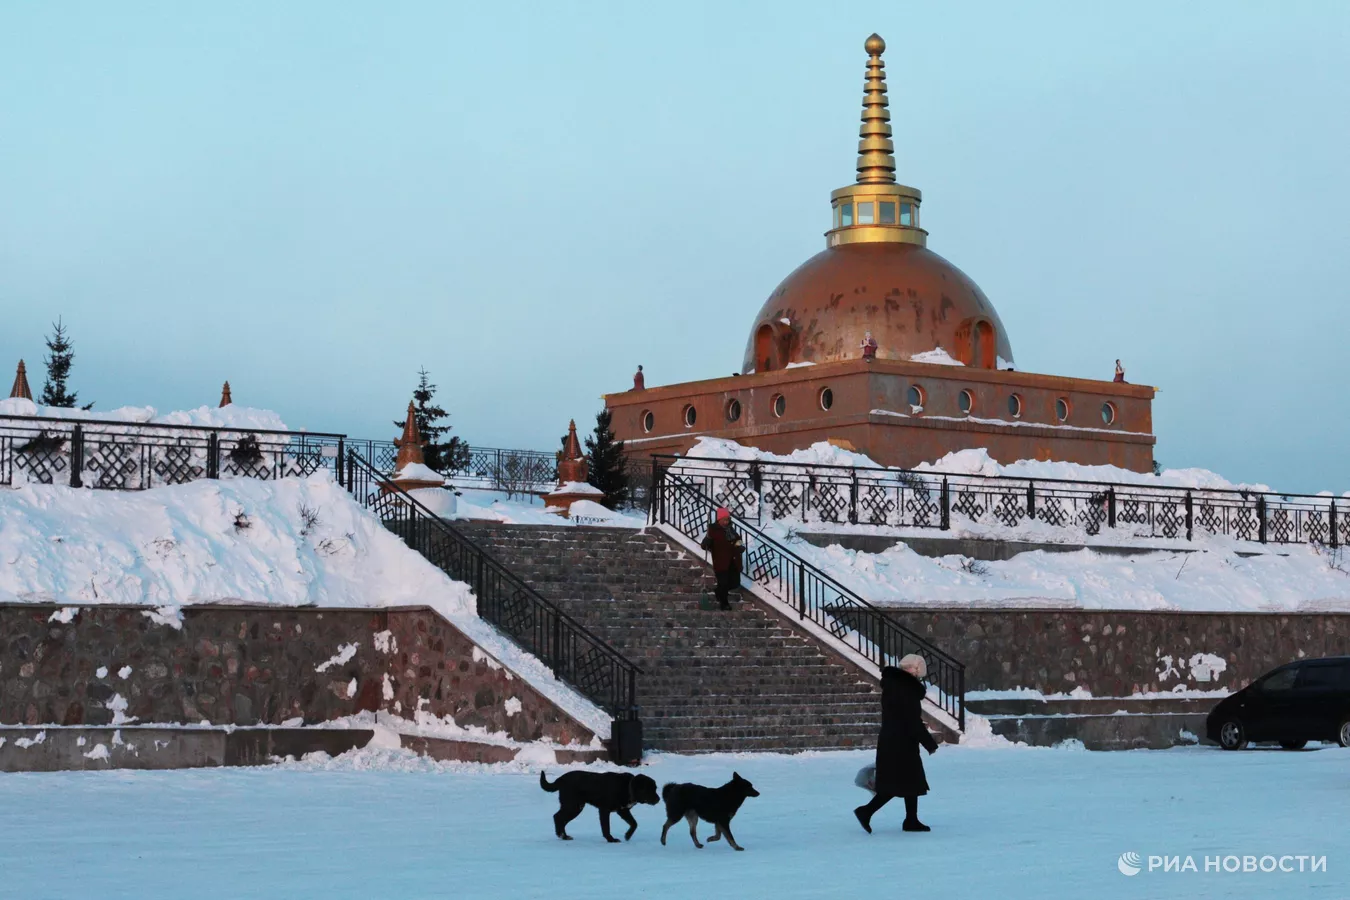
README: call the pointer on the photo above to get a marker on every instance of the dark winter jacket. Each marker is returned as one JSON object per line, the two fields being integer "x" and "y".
{"x": 899, "y": 767}
{"x": 726, "y": 547}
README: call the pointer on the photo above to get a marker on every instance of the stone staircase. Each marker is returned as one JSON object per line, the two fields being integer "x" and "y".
{"x": 713, "y": 681}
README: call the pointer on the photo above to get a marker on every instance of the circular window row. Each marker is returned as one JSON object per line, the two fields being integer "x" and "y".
{"x": 918, "y": 397}
{"x": 778, "y": 406}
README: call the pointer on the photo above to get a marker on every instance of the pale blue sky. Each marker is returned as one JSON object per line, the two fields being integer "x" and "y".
{"x": 313, "y": 199}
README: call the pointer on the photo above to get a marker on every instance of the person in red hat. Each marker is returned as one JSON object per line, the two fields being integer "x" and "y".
{"x": 726, "y": 547}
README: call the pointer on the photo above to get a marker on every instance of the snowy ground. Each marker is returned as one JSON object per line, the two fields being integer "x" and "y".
{"x": 1008, "y": 823}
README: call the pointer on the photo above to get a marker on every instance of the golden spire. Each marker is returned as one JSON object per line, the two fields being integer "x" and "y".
{"x": 21, "y": 388}
{"x": 876, "y": 152}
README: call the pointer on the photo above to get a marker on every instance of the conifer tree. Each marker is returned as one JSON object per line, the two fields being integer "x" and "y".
{"x": 607, "y": 462}
{"x": 444, "y": 456}
{"x": 55, "y": 390}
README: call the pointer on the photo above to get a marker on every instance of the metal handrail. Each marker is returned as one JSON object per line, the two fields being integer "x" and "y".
{"x": 576, "y": 656}
{"x": 814, "y": 595}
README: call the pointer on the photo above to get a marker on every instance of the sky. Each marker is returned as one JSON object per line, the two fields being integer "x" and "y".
{"x": 314, "y": 200}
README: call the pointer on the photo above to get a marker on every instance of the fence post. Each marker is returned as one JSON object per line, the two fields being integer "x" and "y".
{"x": 1031, "y": 499}
{"x": 1334, "y": 541}
{"x": 945, "y": 501}
{"x": 213, "y": 455}
{"x": 807, "y": 492}
{"x": 801, "y": 591}
{"x": 340, "y": 456}
{"x": 1190, "y": 516}
{"x": 651, "y": 496}
{"x": 77, "y": 457}
{"x": 853, "y": 497}
{"x": 1261, "y": 518}
{"x": 1111, "y": 507}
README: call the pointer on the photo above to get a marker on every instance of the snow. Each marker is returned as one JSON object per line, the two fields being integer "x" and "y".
{"x": 346, "y": 653}
{"x": 494, "y": 506}
{"x": 798, "y": 365}
{"x": 1212, "y": 579}
{"x": 936, "y": 357}
{"x": 233, "y": 417}
{"x": 179, "y": 545}
{"x": 419, "y": 472}
{"x": 578, "y": 487}
{"x": 972, "y": 462}
{"x": 1017, "y": 824}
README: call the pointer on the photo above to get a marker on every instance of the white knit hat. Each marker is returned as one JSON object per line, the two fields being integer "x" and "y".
{"x": 915, "y": 664}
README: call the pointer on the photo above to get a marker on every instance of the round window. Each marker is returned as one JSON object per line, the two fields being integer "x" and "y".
{"x": 779, "y": 405}
{"x": 648, "y": 421}
{"x": 1109, "y": 413}
{"x": 967, "y": 401}
{"x": 733, "y": 410}
{"x": 826, "y": 398}
{"x": 1062, "y": 409}
{"x": 1015, "y": 406}
{"x": 690, "y": 416}
{"x": 915, "y": 396}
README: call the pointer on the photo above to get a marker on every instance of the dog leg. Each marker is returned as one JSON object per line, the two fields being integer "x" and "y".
{"x": 567, "y": 813}
{"x": 671, "y": 819}
{"x": 692, "y": 819}
{"x": 717, "y": 833}
{"x": 632, "y": 823}
{"x": 604, "y": 827}
{"x": 726, "y": 829}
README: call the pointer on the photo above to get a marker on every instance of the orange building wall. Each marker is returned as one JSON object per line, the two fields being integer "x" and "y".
{"x": 870, "y": 411}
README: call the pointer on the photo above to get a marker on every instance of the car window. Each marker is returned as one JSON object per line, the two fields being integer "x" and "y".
{"x": 1324, "y": 676}
{"x": 1280, "y": 681}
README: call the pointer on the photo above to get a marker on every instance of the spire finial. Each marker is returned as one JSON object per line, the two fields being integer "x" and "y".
{"x": 225, "y": 398}
{"x": 876, "y": 152}
{"x": 21, "y": 388}
{"x": 411, "y": 443}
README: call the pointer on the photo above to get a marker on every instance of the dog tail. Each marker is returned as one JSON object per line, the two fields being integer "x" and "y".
{"x": 544, "y": 783}
{"x": 667, "y": 791}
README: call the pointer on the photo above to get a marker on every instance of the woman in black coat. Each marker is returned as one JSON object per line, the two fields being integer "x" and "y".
{"x": 899, "y": 767}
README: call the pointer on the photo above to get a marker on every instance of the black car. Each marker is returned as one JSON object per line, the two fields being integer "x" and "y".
{"x": 1308, "y": 700}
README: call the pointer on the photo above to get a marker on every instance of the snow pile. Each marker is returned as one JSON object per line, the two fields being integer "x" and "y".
{"x": 936, "y": 357}
{"x": 497, "y": 506}
{"x": 233, "y": 417}
{"x": 291, "y": 542}
{"x": 1212, "y": 579}
{"x": 971, "y": 462}
{"x": 419, "y": 472}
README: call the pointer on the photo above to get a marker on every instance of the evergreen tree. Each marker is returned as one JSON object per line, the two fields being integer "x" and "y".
{"x": 607, "y": 461}
{"x": 444, "y": 456}
{"x": 55, "y": 390}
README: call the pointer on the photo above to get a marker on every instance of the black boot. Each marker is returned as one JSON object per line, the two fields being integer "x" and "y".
{"x": 912, "y": 822}
{"x": 864, "y": 818}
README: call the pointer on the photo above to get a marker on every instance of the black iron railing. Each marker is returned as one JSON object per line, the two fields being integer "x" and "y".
{"x": 763, "y": 491}
{"x": 512, "y": 471}
{"x": 575, "y": 655}
{"x": 681, "y": 503}
{"x": 132, "y": 456}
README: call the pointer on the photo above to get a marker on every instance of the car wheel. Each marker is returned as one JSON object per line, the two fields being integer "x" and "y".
{"x": 1232, "y": 736}
{"x": 1343, "y": 735}
{"x": 1293, "y": 745}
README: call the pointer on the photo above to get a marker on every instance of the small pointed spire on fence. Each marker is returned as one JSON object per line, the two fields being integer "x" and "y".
{"x": 225, "y": 398}
{"x": 21, "y": 388}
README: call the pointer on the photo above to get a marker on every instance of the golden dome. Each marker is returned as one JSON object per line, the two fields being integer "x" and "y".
{"x": 876, "y": 274}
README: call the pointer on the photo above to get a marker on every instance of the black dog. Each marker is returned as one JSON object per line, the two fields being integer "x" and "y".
{"x": 609, "y": 792}
{"x": 715, "y": 805}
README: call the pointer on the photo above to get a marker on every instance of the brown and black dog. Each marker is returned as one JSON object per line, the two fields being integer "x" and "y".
{"x": 609, "y": 792}
{"x": 692, "y": 802}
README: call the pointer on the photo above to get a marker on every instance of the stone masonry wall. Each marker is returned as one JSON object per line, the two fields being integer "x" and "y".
{"x": 1118, "y": 653}
{"x": 104, "y": 665}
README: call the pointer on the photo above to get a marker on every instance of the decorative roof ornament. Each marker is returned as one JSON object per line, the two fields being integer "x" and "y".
{"x": 411, "y": 443}
{"x": 225, "y": 398}
{"x": 876, "y": 151}
{"x": 21, "y": 388}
